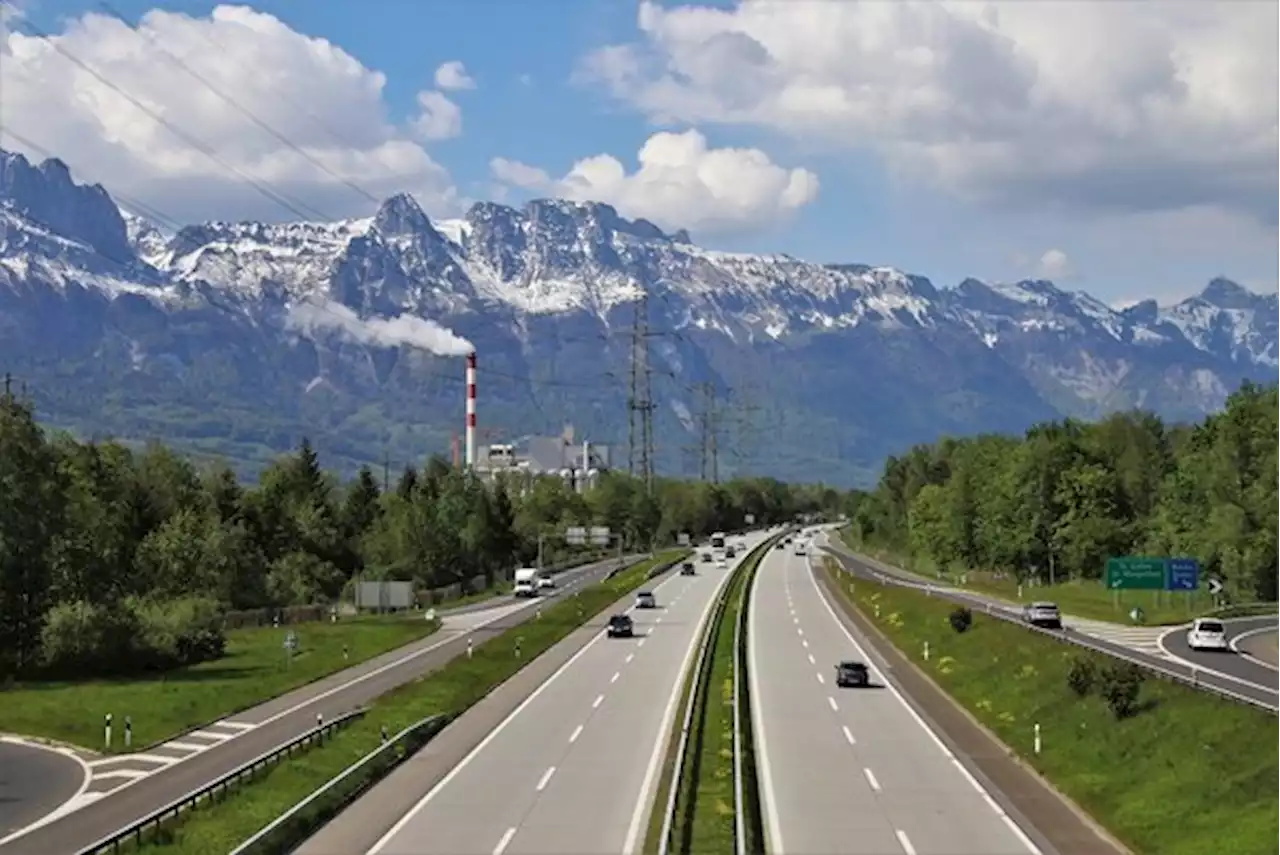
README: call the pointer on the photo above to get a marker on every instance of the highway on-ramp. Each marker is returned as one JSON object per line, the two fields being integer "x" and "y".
{"x": 34, "y": 781}
{"x": 1225, "y": 674}
{"x": 854, "y": 771}
{"x": 126, "y": 788}
{"x": 574, "y": 768}
{"x": 1244, "y": 668}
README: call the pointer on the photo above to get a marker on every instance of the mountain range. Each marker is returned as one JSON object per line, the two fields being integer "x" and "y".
{"x": 235, "y": 339}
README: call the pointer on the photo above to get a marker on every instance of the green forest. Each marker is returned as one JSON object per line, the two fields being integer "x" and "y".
{"x": 116, "y": 560}
{"x": 1067, "y": 496}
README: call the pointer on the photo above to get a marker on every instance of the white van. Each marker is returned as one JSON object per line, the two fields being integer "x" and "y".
{"x": 526, "y": 582}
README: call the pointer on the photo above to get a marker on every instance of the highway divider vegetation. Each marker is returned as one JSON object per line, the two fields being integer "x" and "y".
{"x": 706, "y": 806}
{"x": 1166, "y": 769}
{"x": 1065, "y": 497}
{"x": 223, "y": 825}
{"x": 126, "y": 562}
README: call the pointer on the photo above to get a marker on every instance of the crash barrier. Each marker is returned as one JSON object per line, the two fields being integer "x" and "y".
{"x": 138, "y": 831}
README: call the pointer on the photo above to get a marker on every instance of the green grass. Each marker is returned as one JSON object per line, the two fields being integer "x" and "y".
{"x": 705, "y": 812}
{"x": 220, "y": 827}
{"x": 1079, "y": 597}
{"x": 1189, "y": 774}
{"x": 253, "y": 670}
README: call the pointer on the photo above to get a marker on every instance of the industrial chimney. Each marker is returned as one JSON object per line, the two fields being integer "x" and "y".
{"x": 471, "y": 411}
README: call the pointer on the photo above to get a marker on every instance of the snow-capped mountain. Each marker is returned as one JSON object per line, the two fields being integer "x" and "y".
{"x": 195, "y": 335}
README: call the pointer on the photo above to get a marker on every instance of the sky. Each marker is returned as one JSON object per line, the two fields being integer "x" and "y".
{"x": 1124, "y": 149}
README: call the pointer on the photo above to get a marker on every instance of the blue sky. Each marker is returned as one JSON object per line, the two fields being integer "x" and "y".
{"x": 982, "y": 219}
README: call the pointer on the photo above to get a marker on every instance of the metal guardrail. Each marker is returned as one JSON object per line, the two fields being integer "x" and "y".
{"x": 1075, "y": 640}
{"x": 157, "y": 818}
{"x": 697, "y": 691}
{"x": 292, "y": 827}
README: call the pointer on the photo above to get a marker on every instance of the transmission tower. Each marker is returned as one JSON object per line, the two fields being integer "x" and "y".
{"x": 640, "y": 401}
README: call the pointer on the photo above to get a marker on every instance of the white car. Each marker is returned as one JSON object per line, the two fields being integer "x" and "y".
{"x": 646, "y": 600}
{"x": 546, "y": 582}
{"x": 1207, "y": 635}
{"x": 722, "y": 564}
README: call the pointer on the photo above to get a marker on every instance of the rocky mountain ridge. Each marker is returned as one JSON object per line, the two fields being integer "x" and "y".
{"x": 864, "y": 359}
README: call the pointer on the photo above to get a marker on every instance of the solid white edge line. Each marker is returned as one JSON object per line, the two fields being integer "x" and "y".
{"x": 61, "y": 810}
{"x": 504, "y": 842}
{"x": 647, "y": 788}
{"x": 871, "y": 779}
{"x": 768, "y": 796}
{"x": 1206, "y": 669}
{"x": 1234, "y": 645}
{"x": 484, "y": 743}
{"x": 904, "y": 841}
{"x": 915, "y": 716}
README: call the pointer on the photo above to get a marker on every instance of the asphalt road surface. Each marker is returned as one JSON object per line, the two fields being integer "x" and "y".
{"x": 1226, "y": 673}
{"x": 1249, "y": 671}
{"x": 121, "y": 801}
{"x": 849, "y": 770}
{"x": 573, "y": 769}
{"x": 1262, "y": 644}
{"x": 34, "y": 781}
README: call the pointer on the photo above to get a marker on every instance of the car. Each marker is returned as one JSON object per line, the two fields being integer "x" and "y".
{"x": 621, "y": 626}
{"x": 1207, "y": 635}
{"x": 801, "y": 550}
{"x": 687, "y": 569}
{"x": 1044, "y": 615}
{"x": 706, "y": 558}
{"x": 546, "y": 582}
{"x": 729, "y": 552}
{"x": 722, "y": 564}
{"x": 852, "y": 674}
{"x": 646, "y": 600}
{"x": 780, "y": 545}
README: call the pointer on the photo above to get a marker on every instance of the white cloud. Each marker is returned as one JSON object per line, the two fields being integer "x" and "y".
{"x": 438, "y": 117}
{"x": 680, "y": 183}
{"x": 452, "y": 76}
{"x": 315, "y": 95}
{"x": 1076, "y": 104}
{"x": 1054, "y": 264}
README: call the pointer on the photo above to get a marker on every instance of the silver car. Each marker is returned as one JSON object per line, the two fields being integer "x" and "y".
{"x": 646, "y": 600}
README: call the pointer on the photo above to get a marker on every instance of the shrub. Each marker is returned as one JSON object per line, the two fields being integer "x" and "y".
{"x": 1082, "y": 676}
{"x": 1121, "y": 684}
{"x": 961, "y": 619}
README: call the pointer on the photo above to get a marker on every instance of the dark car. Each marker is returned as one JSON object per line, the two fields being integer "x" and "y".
{"x": 850, "y": 674}
{"x": 779, "y": 545}
{"x": 620, "y": 626}
{"x": 687, "y": 569}
{"x": 730, "y": 552}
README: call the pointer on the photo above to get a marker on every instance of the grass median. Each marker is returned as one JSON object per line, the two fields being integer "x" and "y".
{"x": 254, "y": 669}
{"x": 705, "y": 803}
{"x": 1186, "y": 773}
{"x": 220, "y": 827}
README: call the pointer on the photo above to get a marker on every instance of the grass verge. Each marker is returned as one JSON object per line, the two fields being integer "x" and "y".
{"x": 1189, "y": 773}
{"x": 1084, "y": 598}
{"x": 222, "y": 826}
{"x": 254, "y": 669}
{"x": 705, "y": 803}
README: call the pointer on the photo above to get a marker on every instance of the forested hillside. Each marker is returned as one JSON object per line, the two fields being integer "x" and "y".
{"x": 1079, "y": 493}
{"x": 115, "y": 560}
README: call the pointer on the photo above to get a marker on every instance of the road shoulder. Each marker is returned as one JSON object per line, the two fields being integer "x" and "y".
{"x": 1050, "y": 818}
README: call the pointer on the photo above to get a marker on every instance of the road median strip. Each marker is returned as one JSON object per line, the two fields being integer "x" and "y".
{"x": 224, "y": 826}
{"x": 708, "y": 794}
{"x": 1120, "y": 747}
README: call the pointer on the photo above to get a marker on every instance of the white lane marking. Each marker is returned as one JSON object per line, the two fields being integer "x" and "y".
{"x": 800, "y": 632}
{"x": 773, "y": 826}
{"x": 832, "y": 702}
{"x": 187, "y": 746}
{"x": 640, "y": 643}
{"x": 573, "y": 737}
{"x": 616, "y": 675}
{"x": 871, "y": 779}
{"x": 630, "y": 656}
{"x": 904, "y": 842}
{"x": 643, "y": 807}
{"x": 546, "y": 777}
{"x": 238, "y": 725}
{"x": 848, "y": 735}
{"x": 484, "y": 743}
{"x": 795, "y": 620}
{"x": 821, "y": 679}
{"x": 1235, "y": 645}
{"x": 122, "y": 773}
{"x": 659, "y": 620}
{"x": 597, "y": 702}
{"x": 806, "y": 644}
{"x": 504, "y": 842}
{"x": 145, "y": 758}
{"x": 812, "y": 661}
{"x": 937, "y": 740}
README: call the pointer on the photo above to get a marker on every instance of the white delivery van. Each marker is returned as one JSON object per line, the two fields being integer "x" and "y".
{"x": 526, "y": 582}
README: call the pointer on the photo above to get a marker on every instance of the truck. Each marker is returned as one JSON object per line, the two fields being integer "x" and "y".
{"x": 717, "y": 540}
{"x": 526, "y": 582}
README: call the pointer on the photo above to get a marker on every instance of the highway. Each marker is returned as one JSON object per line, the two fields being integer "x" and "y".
{"x": 125, "y": 788}
{"x": 1226, "y": 673}
{"x": 573, "y": 768}
{"x": 854, "y": 771}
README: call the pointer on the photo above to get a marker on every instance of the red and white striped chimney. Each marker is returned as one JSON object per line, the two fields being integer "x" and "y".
{"x": 471, "y": 411}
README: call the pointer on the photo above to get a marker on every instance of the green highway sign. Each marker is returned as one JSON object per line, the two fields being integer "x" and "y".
{"x": 1136, "y": 574}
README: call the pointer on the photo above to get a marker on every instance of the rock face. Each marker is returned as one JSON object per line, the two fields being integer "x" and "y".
{"x": 820, "y": 370}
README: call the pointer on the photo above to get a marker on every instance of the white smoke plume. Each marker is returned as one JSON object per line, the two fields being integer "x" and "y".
{"x": 311, "y": 317}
